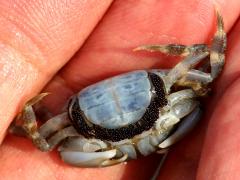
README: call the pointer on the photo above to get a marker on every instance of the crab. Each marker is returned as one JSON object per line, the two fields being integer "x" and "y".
{"x": 132, "y": 114}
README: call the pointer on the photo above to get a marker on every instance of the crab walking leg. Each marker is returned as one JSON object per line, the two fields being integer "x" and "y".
{"x": 187, "y": 124}
{"x": 79, "y": 143}
{"x": 219, "y": 43}
{"x": 192, "y": 75}
{"x": 61, "y": 135}
{"x": 54, "y": 124}
{"x": 79, "y": 151}
{"x": 182, "y": 68}
{"x": 198, "y": 76}
{"x": 178, "y": 96}
{"x": 92, "y": 159}
{"x": 30, "y": 124}
{"x": 177, "y": 111}
{"x": 197, "y": 80}
{"x": 184, "y": 107}
{"x": 175, "y": 49}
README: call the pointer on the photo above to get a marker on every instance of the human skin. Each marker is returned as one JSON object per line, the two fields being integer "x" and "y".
{"x": 37, "y": 39}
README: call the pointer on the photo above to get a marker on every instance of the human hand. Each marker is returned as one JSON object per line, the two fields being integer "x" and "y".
{"x": 38, "y": 38}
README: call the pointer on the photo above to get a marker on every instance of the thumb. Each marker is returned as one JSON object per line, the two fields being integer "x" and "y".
{"x": 36, "y": 40}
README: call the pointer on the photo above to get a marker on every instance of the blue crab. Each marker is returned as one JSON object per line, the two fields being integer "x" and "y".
{"x": 139, "y": 112}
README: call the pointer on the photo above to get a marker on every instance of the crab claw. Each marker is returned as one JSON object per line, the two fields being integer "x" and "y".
{"x": 92, "y": 159}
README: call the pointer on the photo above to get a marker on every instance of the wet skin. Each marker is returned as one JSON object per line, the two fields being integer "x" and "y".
{"x": 38, "y": 39}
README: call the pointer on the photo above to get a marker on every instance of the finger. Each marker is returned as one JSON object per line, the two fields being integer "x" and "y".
{"x": 37, "y": 38}
{"x": 220, "y": 156}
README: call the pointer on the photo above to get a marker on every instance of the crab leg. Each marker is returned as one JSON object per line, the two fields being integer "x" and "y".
{"x": 61, "y": 135}
{"x": 54, "y": 124}
{"x": 199, "y": 76}
{"x": 192, "y": 75}
{"x": 219, "y": 43}
{"x": 197, "y": 80}
{"x": 79, "y": 151}
{"x": 38, "y": 136}
{"x": 79, "y": 143}
{"x": 178, "y": 96}
{"x": 187, "y": 124}
{"x": 182, "y": 68}
{"x": 175, "y": 49}
{"x": 194, "y": 54}
{"x": 92, "y": 159}
{"x": 29, "y": 123}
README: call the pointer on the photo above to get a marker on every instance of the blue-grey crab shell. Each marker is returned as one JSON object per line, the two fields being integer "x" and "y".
{"x": 120, "y": 107}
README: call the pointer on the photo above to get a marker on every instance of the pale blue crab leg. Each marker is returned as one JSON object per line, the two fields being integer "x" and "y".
{"x": 184, "y": 107}
{"x": 61, "y": 135}
{"x": 182, "y": 68}
{"x": 193, "y": 74}
{"x": 91, "y": 159}
{"x": 199, "y": 76}
{"x": 79, "y": 143}
{"x": 54, "y": 124}
{"x": 196, "y": 80}
{"x": 79, "y": 151}
{"x": 186, "y": 125}
{"x": 178, "y": 96}
{"x": 195, "y": 54}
